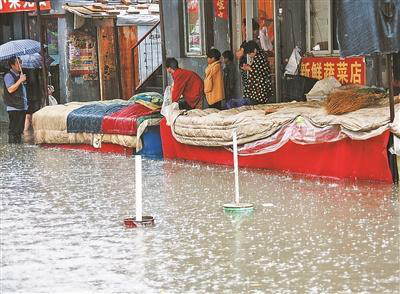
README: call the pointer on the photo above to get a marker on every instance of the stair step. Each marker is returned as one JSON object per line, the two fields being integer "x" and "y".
{"x": 152, "y": 89}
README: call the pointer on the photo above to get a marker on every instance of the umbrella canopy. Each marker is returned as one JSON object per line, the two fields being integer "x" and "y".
{"x": 34, "y": 60}
{"x": 18, "y": 48}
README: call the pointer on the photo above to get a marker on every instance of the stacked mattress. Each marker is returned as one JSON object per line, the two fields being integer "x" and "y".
{"x": 93, "y": 123}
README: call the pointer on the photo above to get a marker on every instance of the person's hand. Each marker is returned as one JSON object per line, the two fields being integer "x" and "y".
{"x": 246, "y": 67}
{"x": 22, "y": 78}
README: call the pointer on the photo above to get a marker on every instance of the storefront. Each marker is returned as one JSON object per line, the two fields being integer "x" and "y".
{"x": 100, "y": 60}
{"x": 308, "y": 24}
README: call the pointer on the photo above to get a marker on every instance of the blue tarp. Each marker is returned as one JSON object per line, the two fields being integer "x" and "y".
{"x": 87, "y": 119}
{"x": 368, "y": 26}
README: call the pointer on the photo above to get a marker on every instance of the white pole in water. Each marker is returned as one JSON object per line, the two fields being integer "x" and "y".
{"x": 236, "y": 167}
{"x": 237, "y": 206}
{"x": 138, "y": 172}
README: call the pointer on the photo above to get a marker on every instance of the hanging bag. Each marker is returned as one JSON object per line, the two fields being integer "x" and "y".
{"x": 295, "y": 86}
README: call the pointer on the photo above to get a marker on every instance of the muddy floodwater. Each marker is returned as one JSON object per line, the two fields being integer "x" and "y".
{"x": 62, "y": 228}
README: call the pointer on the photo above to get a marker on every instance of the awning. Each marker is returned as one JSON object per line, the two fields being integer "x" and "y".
{"x": 132, "y": 14}
{"x": 90, "y": 11}
{"x": 138, "y": 19}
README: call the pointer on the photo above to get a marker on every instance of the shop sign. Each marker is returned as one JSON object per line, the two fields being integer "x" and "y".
{"x": 346, "y": 70}
{"x": 9, "y": 6}
{"x": 221, "y": 8}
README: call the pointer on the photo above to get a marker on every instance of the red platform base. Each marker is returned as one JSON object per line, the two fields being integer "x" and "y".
{"x": 105, "y": 148}
{"x": 345, "y": 159}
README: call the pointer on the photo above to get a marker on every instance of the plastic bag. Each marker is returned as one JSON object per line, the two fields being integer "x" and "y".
{"x": 396, "y": 145}
{"x": 52, "y": 100}
{"x": 323, "y": 88}
{"x": 50, "y": 91}
{"x": 167, "y": 100}
{"x": 292, "y": 68}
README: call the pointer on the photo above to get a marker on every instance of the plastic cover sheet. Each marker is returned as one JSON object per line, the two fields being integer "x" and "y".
{"x": 300, "y": 131}
{"x": 368, "y": 26}
{"x": 88, "y": 118}
{"x": 342, "y": 159}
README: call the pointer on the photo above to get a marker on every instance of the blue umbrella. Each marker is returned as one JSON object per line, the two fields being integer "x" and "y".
{"x": 34, "y": 60}
{"x": 18, "y": 48}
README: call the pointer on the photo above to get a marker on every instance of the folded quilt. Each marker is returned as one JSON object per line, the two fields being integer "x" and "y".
{"x": 126, "y": 120}
{"x": 88, "y": 118}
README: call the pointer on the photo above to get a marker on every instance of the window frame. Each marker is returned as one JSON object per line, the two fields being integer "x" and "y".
{"x": 202, "y": 52}
{"x": 330, "y": 50}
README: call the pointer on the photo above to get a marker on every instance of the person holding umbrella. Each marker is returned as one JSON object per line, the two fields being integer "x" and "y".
{"x": 15, "y": 96}
{"x": 15, "y": 99}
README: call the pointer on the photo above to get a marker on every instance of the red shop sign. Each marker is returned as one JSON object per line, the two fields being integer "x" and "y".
{"x": 221, "y": 8}
{"x": 346, "y": 70}
{"x": 9, "y": 6}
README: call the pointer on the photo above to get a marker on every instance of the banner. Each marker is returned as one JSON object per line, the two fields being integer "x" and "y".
{"x": 10, "y": 6}
{"x": 82, "y": 56}
{"x": 221, "y": 9}
{"x": 345, "y": 70}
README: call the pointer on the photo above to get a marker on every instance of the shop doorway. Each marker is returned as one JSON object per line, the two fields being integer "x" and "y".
{"x": 263, "y": 14}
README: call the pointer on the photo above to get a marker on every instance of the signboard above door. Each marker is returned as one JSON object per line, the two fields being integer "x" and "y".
{"x": 10, "y": 6}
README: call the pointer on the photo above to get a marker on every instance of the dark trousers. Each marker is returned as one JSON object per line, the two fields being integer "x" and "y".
{"x": 16, "y": 127}
{"x": 217, "y": 105}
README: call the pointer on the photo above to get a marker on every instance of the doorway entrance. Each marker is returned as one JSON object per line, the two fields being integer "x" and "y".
{"x": 261, "y": 12}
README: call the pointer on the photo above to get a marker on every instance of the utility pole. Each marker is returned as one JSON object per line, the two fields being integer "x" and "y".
{"x": 45, "y": 99}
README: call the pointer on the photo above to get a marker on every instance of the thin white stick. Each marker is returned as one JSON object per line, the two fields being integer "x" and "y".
{"x": 138, "y": 172}
{"x": 236, "y": 167}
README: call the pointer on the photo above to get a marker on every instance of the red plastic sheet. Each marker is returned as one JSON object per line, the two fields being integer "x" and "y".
{"x": 124, "y": 121}
{"x": 105, "y": 148}
{"x": 344, "y": 159}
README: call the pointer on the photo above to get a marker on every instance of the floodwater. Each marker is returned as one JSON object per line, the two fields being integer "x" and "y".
{"x": 62, "y": 231}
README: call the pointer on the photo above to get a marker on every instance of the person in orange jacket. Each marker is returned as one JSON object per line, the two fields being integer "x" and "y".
{"x": 214, "y": 80}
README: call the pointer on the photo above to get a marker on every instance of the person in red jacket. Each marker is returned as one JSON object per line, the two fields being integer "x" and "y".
{"x": 187, "y": 84}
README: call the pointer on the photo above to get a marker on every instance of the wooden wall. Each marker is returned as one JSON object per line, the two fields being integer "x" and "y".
{"x": 128, "y": 37}
{"x": 109, "y": 84}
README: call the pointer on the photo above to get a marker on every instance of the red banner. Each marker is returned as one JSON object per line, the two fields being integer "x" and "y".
{"x": 221, "y": 8}
{"x": 9, "y": 6}
{"x": 346, "y": 70}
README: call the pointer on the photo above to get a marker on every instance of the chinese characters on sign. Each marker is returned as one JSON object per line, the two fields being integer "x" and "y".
{"x": 9, "y": 6}
{"x": 346, "y": 71}
{"x": 221, "y": 8}
{"x": 82, "y": 56}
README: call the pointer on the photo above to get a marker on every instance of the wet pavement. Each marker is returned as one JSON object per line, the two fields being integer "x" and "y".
{"x": 61, "y": 228}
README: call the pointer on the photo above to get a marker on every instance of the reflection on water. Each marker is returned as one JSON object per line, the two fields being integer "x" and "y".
{"x": 61, "y": 228}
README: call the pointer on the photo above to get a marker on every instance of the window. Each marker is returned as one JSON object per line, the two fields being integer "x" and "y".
{"x": 321, "y": 26}
{"x": 194, "y": 27}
